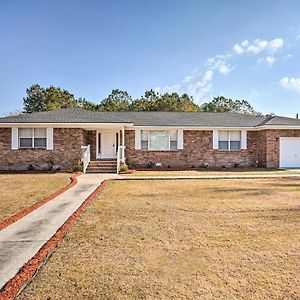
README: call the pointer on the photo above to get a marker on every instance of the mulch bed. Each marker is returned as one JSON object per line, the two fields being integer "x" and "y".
{"x": 15, "y": 285}
{"x": 198, "y": 169}
{"x": 33, "y": 207}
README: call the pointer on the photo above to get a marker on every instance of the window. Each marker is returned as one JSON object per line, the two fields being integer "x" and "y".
{"x": 159, "y": 140}
{"x": 144, "y": 139}
{"x": 229, "y": 140}
{"x": 173, "y": 140}
{"x": 32, "y": 138}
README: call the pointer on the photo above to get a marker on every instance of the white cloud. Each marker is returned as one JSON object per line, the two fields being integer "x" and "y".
{"x": 269, "y": 48}
{"x": 208, "y": 76}
{"x": 201, "y": 87}
{"x": 258, "y": 46}
{"x": 253, "y": 49}
{"x": 224, "y": 69}
{"x": 175, "y": 88}
{"x": 219, "y": 64}
{"x": 238, "y": 49}
{"x": 275, "y": 44}
{"x": 291, "y": 83}
{"x": 188, "y": 78}
{"x": 269, "y": 60}
{"x": 245, "y": 43}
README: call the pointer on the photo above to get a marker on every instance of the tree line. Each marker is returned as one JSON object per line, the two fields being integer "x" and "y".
{"x": 50, "y": 98}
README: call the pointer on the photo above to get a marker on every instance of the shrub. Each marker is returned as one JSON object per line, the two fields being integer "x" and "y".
{"x": 77, "y": 168}
{"x": 150, "y": 164}
{"x": 123, "y": 168}
{"x": 30, "y": 168}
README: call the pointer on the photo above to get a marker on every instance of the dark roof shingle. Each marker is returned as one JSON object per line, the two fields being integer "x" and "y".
{"x": 199, "y": 119}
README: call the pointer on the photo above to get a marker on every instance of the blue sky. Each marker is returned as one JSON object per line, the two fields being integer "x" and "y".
{"x": 240, "y": 49}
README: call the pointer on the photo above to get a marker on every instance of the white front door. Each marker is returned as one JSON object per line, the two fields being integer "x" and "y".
{"x": 108, "y": 144}
{"x": 289, "y": 153}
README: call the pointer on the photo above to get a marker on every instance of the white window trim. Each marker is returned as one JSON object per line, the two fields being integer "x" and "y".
{"x": 137, "y": 139}
{"x": 229, "y": 140}
{"x": 32, "y": 138}
{"x": 14, "y": 138}
{"x": 169, "y": 132}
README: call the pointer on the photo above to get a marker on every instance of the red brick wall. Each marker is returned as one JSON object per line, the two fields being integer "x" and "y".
{"x": 263, "y": 147}
{"x": 67, "y": 150}
{"x": 198, "y": 151}
{"x": 272, "y": 145}
{"x": 92, "y": 143}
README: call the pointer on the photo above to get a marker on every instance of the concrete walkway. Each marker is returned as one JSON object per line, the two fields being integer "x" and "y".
{"x": 21, "y": 240}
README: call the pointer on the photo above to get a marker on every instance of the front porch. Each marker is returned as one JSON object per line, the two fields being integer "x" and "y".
{"x": 104, "y": 149}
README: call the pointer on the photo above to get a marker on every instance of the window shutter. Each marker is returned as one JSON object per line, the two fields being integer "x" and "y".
{"x": 49, "y": 138}
{"x": 215, "y": 139}
{"x": 137, "y": 139}
{"x": 244, "y": 139}
{"x": 180, "y": 139}
{"x": 14, "y": 139}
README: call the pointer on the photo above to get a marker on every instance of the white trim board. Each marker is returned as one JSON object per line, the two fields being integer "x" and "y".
{"x": 130, "y": 126}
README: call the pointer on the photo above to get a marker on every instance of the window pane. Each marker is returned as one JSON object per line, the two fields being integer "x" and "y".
{"x": 25, "y": 132}
{"x": 40, "y": 132}
{"x": 223, "y": 135}
{"x": 173, "y": 145}
{"x": 25, "y": 142}
{"x": 144, "y": 135}
{"x": 173, "y": 135}
{"x": 144, "y": 145}
{"x": 235, "y": 145}
{"x": 159, "y": 140}
{"x": 40, "y": 142}
{"x": 223, "y": 145}
{"x": 235, "y": 135}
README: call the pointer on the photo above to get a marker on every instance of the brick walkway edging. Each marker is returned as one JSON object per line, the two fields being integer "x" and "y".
{"x": 15, "y": 285}
{"x": 19, "y": 215}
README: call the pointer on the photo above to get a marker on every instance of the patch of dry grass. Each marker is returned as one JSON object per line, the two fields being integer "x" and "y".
{"x": 20, "y": 191}
{"x": 212, "y": 173}
{"x": 189, "y": 239}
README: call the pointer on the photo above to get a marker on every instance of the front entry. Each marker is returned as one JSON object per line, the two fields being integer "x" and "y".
{"x": 106, "y": 144}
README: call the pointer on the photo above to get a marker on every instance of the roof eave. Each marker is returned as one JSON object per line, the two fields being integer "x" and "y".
{"x": 66, "y": 125}
{"x": 279, "y": 127}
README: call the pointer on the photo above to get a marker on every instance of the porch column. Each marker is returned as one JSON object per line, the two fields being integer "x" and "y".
{"x": 123, "y": 143}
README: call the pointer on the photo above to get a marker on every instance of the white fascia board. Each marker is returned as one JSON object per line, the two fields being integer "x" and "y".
{"x": 131, "y": 126}
{"x": 191, "y": 128}
{"x": 289, "y": 138}
{"x": 255, "y": 128}
{"x": 69, "y": 125}
{"x": 264, "y": 127}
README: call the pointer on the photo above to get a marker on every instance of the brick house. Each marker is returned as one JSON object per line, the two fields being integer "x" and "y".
{"x": 59, "y": 139}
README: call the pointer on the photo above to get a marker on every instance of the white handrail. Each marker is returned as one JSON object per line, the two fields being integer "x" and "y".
{"x": 86, "y": 156}
{"x": 120, "y": 157}
{"x": 118, "y": 160}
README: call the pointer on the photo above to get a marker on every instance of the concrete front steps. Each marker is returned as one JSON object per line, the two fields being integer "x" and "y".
{"x": 102, "y": 166}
